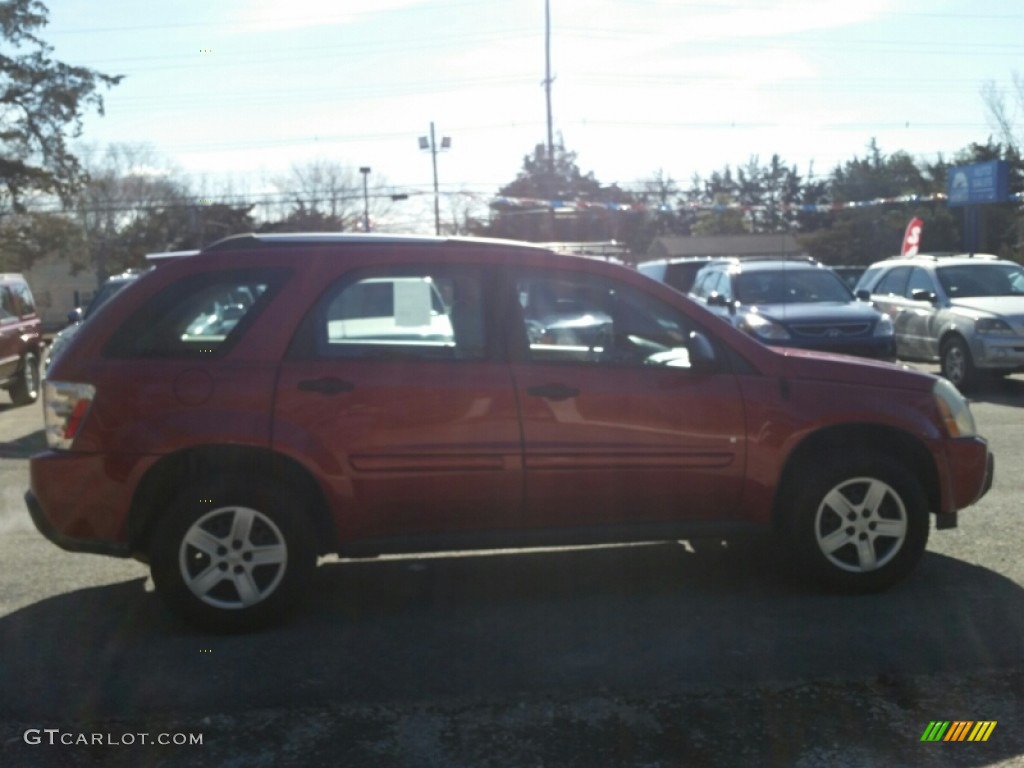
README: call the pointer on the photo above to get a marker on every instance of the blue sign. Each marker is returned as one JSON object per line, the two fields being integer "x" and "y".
{"x": 978, "y": 184}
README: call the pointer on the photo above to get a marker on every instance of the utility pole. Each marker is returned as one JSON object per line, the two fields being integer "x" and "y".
{"x": 365, "y": 170}
{"x": 547, "y": 88}
{"x": 431, "y": 145}
{"x": 550, "y": 186}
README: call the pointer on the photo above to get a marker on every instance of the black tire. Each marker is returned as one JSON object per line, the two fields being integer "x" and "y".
{"x": 857, "y": 525}
{"x": 957, "y": 363}
{"x": 25, "y": 389}
{"x": 193, "y": 544}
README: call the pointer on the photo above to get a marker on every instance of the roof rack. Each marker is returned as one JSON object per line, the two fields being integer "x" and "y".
{"x": 257, "y": 240}
{"x": 936, "y": 255}
{"x": 161, "y": 256}
{"x": 742, "y": 259}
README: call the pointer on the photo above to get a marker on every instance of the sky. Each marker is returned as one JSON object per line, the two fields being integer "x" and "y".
{"x": 237, "y": 92}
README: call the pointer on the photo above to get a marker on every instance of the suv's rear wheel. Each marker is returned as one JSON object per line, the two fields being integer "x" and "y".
{"x": 859, "y": 525}
{"x": 25, "y": 389}
{"x": 957, "y": 364}
{"x": 233, "y": 558}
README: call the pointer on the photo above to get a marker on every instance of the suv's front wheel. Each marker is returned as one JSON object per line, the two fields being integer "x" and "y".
{"x": 235, "y": 558}
{"x": 858, "y": 525}
{"x": 957, "y": 363}
{"x": 25, "y": 389}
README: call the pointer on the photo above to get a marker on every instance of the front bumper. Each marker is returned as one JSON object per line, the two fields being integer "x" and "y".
{"x": 969, "y": 473}
{"x": 998, "y": 353}
{"x": 883, "y": 349}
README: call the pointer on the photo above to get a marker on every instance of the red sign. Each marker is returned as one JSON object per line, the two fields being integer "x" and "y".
{"x": 912, "y": 237}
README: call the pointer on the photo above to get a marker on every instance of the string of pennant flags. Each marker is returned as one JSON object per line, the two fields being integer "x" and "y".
{"x": 582, "y": 205}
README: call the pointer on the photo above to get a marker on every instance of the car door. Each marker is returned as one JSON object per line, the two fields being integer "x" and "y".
{"x": 394, "y": 390}
{"x": 617, "y": 427}
{"x": 10, "y": 343}
{"x": 889, "y": 297}
{"x": 918, "y": 316}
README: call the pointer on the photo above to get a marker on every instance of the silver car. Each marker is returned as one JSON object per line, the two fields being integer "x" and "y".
{"x": 965, "y": 312}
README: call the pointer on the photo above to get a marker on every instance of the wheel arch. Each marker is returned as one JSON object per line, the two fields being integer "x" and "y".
{"x": 952, "y": 331}
{"x": 165, "y": 480}
{"x": 850, "y": 439}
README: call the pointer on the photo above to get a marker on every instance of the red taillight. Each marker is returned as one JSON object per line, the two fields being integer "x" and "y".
{"x": 65, "y": 408}
{"x": 75, "y": 419}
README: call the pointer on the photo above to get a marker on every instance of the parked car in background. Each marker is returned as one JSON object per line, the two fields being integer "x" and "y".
{"x": 794, "y": 303}
{"x": 21, "y": 340}
{"x": 965, "y": 312}
{"x": 79, "y": 315}
{"x": 110, "y": 287}
{"x": 230, "y": 459}
{"x": 676, "y": 272}
{"x": 849, "y": 274}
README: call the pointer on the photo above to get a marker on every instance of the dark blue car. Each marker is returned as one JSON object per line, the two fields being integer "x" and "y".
{"x": 794, "y": 303}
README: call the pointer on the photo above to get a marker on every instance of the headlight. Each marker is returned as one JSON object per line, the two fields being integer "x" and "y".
{"x": 956, "y": 414}
{"x": 992, "y": 325}
{"x": 884, "y": 326}
{"x": 763, "y": 328}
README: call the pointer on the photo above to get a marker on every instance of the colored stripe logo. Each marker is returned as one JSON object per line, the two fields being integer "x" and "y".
{"x": 959, "y": 730}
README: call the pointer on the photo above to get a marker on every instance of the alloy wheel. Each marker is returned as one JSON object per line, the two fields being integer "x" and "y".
{"x": 861, "y": 524}
{"x": 233, "y": 557}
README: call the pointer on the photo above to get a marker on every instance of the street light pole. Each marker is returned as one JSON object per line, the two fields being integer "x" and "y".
{"x": 431, "y": 145}
{"x": 365, "y": 170}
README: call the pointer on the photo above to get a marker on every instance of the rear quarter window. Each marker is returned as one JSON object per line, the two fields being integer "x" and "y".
{"x": 201, "y": 315}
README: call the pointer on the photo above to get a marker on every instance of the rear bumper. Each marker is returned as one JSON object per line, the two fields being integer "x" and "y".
{"x": 70, "y": 543}
{"x": 81, "y": 501}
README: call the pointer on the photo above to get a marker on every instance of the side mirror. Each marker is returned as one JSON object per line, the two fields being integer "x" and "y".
{"x": 863, "y": 294}
{"x": 716, "y": 299}
{"x": 75, "y": 316}
{"x": 702, "y": 353}
{"x": 923, "y": 295}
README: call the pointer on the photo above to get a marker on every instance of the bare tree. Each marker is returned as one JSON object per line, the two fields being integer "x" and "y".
{"x": 126, "y": 183}
{"x": 326, "y": 195}
{"x": 466, "y": 214}
{"x": 1004, "y": 110}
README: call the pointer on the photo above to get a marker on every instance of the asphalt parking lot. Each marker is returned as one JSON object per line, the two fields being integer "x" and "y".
{"x": 693, "y": 653}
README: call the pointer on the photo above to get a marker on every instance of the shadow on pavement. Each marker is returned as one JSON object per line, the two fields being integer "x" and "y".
{"x": 999, "y": 391}
{"x": 644, "y": 621}
{"x": 24, "y": 447}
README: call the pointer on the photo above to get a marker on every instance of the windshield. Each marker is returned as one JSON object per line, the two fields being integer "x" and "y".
{"x": 982, "y": 280}
{"x": 103, "y": 295}
{"x": 789, "y": 286}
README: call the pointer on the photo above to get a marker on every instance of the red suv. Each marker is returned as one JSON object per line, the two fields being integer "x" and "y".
{"x": 21, "y": 340}
{"x": 237, "y": 413}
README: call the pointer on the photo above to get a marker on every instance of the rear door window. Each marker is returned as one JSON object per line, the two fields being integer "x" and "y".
{"x": 423, "y": 312}
{"x": 919, "y": 281}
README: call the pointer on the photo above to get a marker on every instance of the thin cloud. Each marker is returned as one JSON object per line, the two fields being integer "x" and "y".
{"x": 290, "y": 15}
